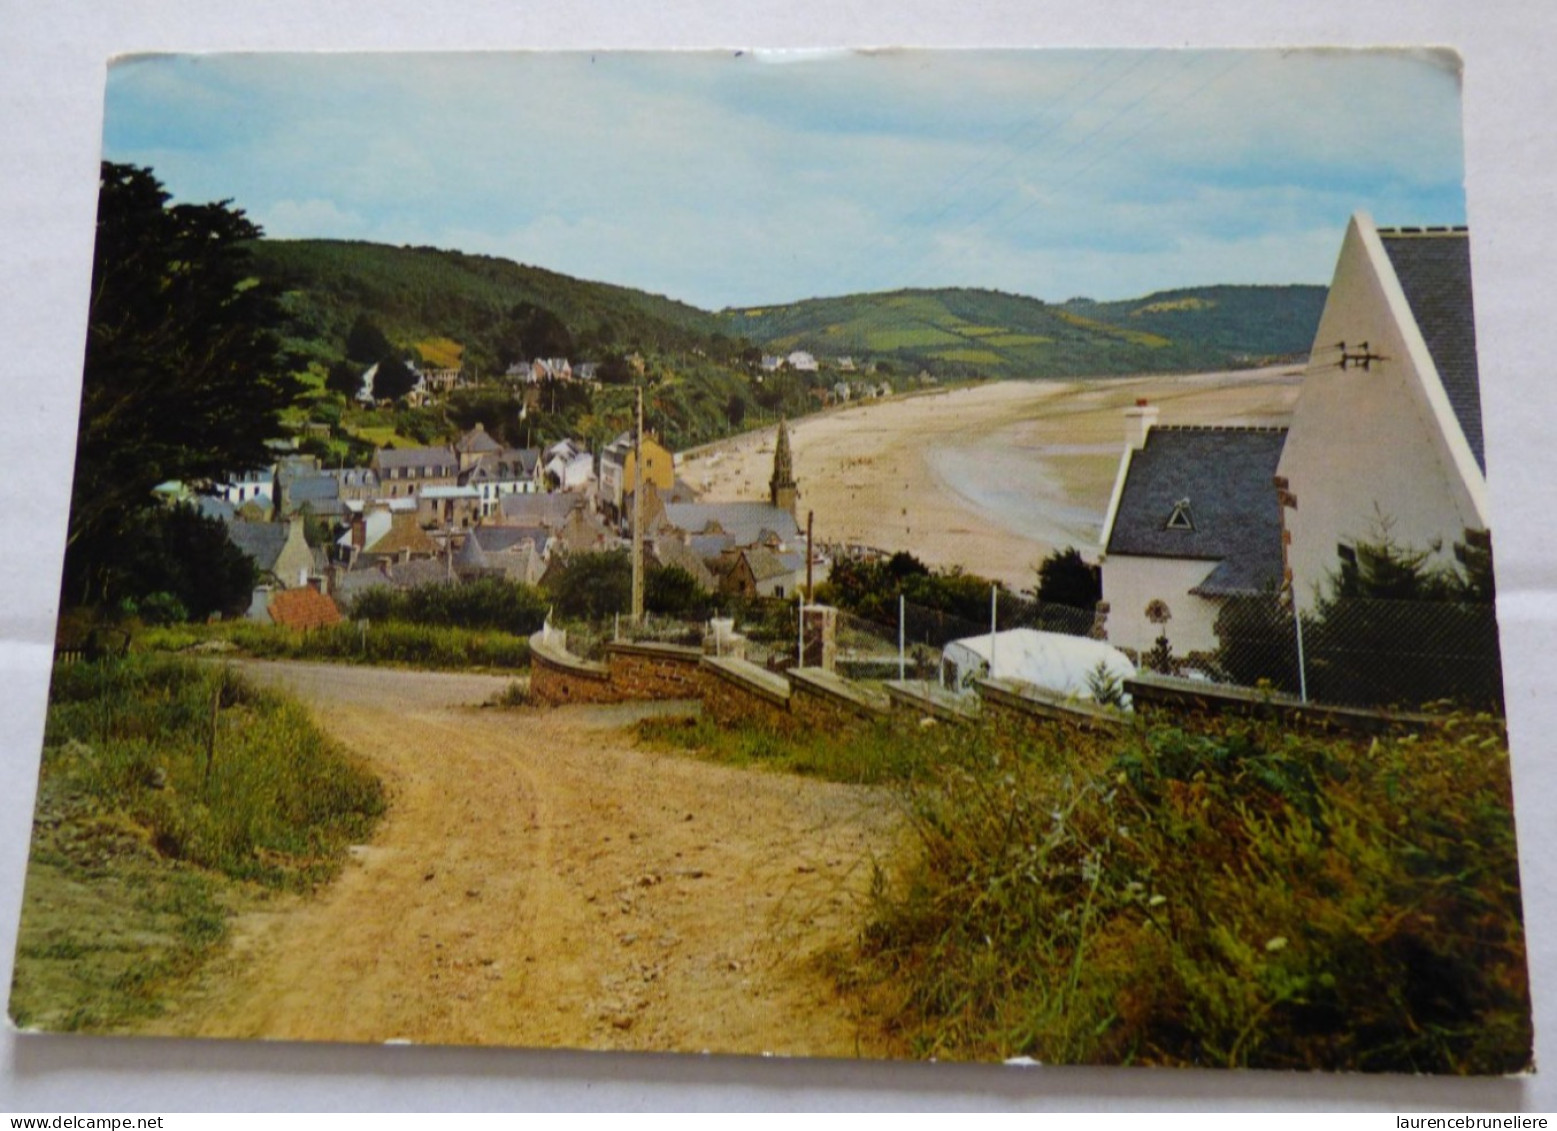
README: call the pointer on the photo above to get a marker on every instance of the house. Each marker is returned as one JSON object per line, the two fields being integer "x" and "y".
{"x": 567, "y": 466}
{"x": 759, "y": 571}
{"x": 618, "y": 471}
{"x": 254, "y": 485}
{"x": 801, "y": 362}
{"x": 278, "y": 550}
{"x": 449, "y": 508}
{"x": 405, "y": 471}
{"x": 493, "y": 470}
{"x": 302, "y": 609}
{"x": 771, "y": 363}
{"x": 1386, "y": 438}
{"x": 545, "y": 511}
{"x": 1194, "y": 520}
{"x": 510, "y": 553}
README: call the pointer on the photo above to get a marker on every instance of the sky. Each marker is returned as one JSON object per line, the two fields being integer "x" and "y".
{"x": 747, "y": 179}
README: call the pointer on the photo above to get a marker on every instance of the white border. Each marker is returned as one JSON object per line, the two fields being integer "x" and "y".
{"x": 52, "y": 59}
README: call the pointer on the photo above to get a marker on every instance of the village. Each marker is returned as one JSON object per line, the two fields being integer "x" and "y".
{"x": 1205, "y": 514}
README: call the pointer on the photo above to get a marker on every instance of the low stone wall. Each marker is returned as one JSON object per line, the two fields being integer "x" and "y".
{"x": 738, "y": 691}
{"x": 825, "y": 700}
{"x": 916, "y": 699}
{"x": 557, "y": 676}
{"x": 1195, "y": 697}
{"x": 655, "y": 671}
{"x": 1020, "y": 710}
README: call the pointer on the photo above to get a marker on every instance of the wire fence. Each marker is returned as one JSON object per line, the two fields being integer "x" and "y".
{"x": 1356, "y": 651}
{"x": 1347, "y": 652}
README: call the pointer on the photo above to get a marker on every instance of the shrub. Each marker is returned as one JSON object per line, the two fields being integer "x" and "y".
{"x": 1240, "y": 898}
{"x": 269, "y": 798}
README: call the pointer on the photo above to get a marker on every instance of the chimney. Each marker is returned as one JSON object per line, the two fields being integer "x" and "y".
{"x": 1139, "y": 420}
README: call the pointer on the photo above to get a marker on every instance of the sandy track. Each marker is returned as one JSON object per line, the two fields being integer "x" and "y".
{"x": 539, "y": 881}
{"x": 991, "y": 478}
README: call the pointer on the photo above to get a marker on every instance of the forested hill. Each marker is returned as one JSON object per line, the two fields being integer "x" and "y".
{"x": 1000, "y": 334}
{"x": 498, "y": 311}
{"x": 483, "y": 303}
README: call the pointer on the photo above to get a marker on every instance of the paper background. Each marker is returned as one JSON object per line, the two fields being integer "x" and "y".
{"x": 52, "y": 66}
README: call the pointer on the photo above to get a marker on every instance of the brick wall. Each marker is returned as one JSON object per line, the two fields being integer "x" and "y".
{"x": 557, "y": 678}
{"x": 828, "y": 702}
{"x": 730, "y": 698}
{"x": 655, "y": 671}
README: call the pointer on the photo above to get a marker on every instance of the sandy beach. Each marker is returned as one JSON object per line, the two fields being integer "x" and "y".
{"x": 991, "y": 478}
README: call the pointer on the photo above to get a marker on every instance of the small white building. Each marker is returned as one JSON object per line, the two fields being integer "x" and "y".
{"x": 1053, "y": 661}
{"x": 1194, "y": 520}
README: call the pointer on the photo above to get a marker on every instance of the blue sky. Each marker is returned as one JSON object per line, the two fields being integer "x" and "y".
{"x": 728, "y": 179}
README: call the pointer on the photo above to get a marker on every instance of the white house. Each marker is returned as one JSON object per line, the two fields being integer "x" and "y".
{"x": 1387, "y": 428}
{"x": 1194, "y": 519}
{"x": 802, "y": 362}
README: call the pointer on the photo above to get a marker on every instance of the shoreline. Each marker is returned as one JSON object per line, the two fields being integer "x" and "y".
{"x": 990, "y": 478}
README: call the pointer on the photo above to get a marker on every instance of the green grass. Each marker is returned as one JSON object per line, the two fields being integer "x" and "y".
{"x": 383, "y": 643}
{"x": 861, "y": 756}
{"x": 970, "y": 356}
{"x": 152, "y": 825}
{"x": 1240, "y": 897}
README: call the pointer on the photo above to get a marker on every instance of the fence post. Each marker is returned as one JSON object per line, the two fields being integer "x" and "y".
{"x": 800, "y": 632}
{"x": 902, "y": 667}
{"x": 1297, "y": 620}
{"x": 993, "y": 617}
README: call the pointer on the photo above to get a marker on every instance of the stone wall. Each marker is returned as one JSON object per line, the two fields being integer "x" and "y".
{"x": 821, "y": 699}
{"x": 1020, "y": 711}
{"x": 557, "y": 677}
{"x": 1186, "y": 697}
{"x": 738, "y": 691}
{"x": 655, "y": 671}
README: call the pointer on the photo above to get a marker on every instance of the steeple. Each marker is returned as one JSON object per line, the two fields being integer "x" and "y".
{"x": 782, "y": 488}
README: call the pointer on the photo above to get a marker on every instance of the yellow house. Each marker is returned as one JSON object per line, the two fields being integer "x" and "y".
{"x": 619, "y": 469}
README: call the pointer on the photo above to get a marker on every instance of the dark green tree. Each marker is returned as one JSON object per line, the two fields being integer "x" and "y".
{"x": 393, "y": 380}
{"x": 185, "y": 376}
{"x": 176, "y": 558}
{"x": 1066, "y": 578}
{"x": 594, "y": 585}
{"x": 365, "y": 342}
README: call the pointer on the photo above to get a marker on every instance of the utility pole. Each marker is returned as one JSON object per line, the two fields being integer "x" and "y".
{"x": 637, "y": 616}
{"x": 810, "y": 551}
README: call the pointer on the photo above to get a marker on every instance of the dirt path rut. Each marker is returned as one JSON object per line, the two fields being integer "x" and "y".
{"x": 540, "y": 881}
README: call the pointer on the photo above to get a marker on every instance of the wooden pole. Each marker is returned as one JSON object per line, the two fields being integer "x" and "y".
{"x": 810, "y": 551}
{"x": 637, "y": 610}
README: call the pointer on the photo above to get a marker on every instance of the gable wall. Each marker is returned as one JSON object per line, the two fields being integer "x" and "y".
{"x": 1130, "y": 583}
{"x": 1377, "y": 442}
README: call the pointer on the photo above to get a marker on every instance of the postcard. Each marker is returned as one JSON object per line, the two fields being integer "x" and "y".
{"x": 971, "y": 555}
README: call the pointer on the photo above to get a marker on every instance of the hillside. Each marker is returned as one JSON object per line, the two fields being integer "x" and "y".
{"x": 353, "y": 303}
{"x": 992, "y": 333}
{"x": 422, "y": 293}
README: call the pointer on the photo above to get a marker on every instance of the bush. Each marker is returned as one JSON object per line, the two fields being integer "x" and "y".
{"x": 383, "y": 642}
{"x": 1241, "y": 897}
{"x": 489, "y": 603}
{"x": 269, "y": 799}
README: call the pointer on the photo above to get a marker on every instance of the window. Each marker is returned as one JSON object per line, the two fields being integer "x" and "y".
{"x": 1181, "y": 518}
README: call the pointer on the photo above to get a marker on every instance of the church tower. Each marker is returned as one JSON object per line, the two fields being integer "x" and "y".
{"x": 782, "y": 488}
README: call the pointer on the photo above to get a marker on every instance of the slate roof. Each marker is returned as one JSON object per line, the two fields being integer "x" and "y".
{"x": 261, "y": 541}
{"x": 441, "y": 460}
{"x": 745, "y": 523}
{"x": 549, "y": 510}
{"x": 496, "y": 539}
{"x": 1434, "y": 269}
{"x": 766, "y": 565}
{"x": 1228, "y": 477}
{"x": 477, "y": 440}
{"x": 210, "y": 506}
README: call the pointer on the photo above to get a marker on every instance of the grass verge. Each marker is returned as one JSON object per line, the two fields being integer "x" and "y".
{"x": 382, "y": 643}
{"x": 152, "y": 824}
{"x": 1237, "y": 897}
{"x": 865, "y": 755}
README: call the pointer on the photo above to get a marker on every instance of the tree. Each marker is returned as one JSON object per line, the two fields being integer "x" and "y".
{"x": 393, "y": 380}
{"x": 366, "y": 342}
{"x": 735, "y": 410}
{"x": 1066, "y": 578}
{"x": 177, "y": 559}
{"x": 185, "y": 376}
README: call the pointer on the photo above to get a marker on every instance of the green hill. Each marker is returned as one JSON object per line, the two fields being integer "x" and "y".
{"x": 992, "y": 333}
{"x": 353, "y": 302}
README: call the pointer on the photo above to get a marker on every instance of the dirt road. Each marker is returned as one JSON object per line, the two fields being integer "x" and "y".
{"x": 540, "y": 881}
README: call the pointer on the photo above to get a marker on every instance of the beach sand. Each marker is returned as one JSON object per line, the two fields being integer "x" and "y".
{"x": 991, "y": 478}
